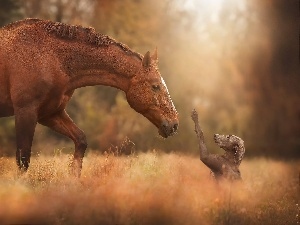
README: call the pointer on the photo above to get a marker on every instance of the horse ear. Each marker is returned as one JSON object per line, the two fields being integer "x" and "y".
{"x": 146, "y": 60}
{"x": 154, "y": 56}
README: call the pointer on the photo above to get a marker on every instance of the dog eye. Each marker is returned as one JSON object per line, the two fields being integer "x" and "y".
{"x": 155, "y": 87}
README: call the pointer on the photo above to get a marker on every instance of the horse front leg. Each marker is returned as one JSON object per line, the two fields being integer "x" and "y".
{"x": 63, "y": 124}
{"x": 25, "y": 123}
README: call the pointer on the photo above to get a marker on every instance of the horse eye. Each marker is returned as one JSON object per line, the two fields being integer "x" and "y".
{"x": 155, "y": 87}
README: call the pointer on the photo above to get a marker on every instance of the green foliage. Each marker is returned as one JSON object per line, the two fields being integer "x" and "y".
{"x": 7, "y": 136}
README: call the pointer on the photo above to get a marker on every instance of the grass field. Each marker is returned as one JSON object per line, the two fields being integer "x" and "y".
{"x": 152, "y": 188}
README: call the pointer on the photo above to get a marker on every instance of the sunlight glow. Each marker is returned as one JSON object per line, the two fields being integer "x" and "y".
{"x": 191, "y": 4}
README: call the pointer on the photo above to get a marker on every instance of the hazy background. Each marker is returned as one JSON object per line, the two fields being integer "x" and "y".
{"x": 235, "y": 61}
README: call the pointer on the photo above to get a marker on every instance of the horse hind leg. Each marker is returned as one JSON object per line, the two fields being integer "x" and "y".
{"x": 25, "y": 123}
{"x": 63, "y": 124}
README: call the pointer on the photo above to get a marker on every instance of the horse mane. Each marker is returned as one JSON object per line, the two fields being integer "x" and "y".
{"x": 86, "y": 34}
{"x": 20, "y": 22}
{"x": 74, "y": 32}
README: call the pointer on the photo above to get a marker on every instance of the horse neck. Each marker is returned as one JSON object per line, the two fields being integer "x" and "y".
{"x": 96, "y": 65}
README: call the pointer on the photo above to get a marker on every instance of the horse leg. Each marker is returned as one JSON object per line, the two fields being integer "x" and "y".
{"x": 25, "y": 123}
{"x": 63, "y": 124}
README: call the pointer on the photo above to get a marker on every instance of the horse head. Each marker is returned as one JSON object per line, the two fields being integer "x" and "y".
{"x": 148, "y": 95}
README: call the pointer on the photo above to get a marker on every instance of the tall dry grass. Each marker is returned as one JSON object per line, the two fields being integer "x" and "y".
{"x": 150, "y": 188}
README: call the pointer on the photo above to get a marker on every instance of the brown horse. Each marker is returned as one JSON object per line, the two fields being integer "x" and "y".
{"x": 42, "y": 63}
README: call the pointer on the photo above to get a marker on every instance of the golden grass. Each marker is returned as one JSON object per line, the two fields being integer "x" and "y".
{"x": 147, "y": 188}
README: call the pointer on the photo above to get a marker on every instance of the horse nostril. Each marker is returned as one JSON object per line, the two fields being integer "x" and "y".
{"x": 175, "y": 127}
{"x": 169, "y": 128}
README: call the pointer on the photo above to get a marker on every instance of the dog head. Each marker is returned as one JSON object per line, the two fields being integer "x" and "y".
{"x": 231, "y": 144}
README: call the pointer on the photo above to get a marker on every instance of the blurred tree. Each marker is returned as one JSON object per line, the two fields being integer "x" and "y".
{"x": 277, "y": 103}
{"x": 9, "y": 11}
{"x": 68, "y": 11}
{"x": 236, "y": 63}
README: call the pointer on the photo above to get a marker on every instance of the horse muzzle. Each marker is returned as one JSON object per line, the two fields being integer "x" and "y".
{"x": 168, "y": 128}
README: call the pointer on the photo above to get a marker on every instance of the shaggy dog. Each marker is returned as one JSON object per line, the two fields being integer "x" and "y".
{"x": 226, "y": 165}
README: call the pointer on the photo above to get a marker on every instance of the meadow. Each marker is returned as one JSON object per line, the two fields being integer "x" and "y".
{"x": 147, "y": 188}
